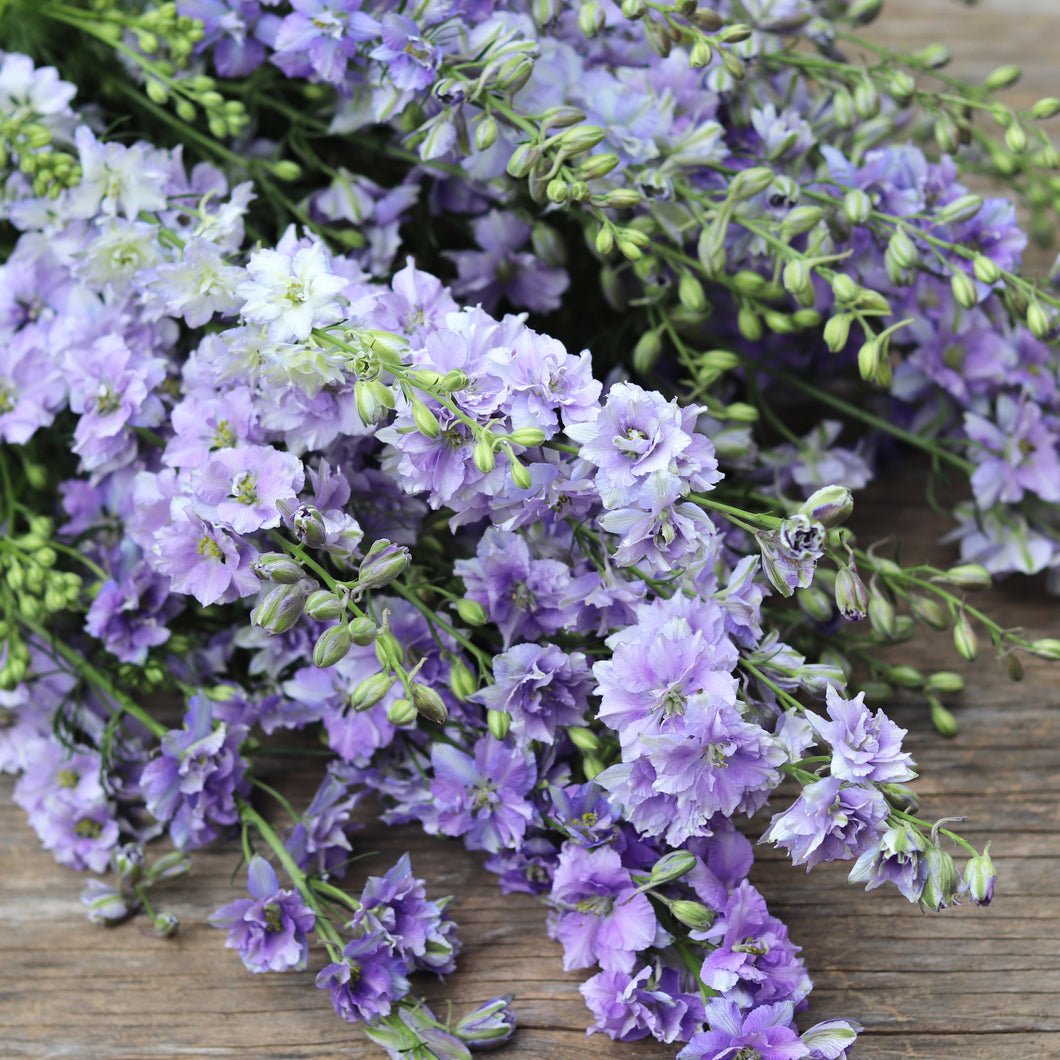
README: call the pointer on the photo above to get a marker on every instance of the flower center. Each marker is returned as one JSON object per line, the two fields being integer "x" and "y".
{"x": 273, "y": 922}
{"x": 86, "y": 828}
{"x": 223, "y": 437}
{"x": 245, "y": 489}
{"x": 210, "y": 548}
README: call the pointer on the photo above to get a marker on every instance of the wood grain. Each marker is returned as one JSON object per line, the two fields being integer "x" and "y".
{"x": 964, "y": 984}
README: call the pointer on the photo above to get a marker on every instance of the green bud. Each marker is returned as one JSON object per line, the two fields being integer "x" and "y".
{"x": 523, "y": 160}
{"x": 634, "y": 9}
{"x": 520, "y": 475}
{"x": 942, "y": 888}
{"x": 692, "y": 914}
{"x": 944, "y": 682}
{"x": 905, "y": 676}
{"x": 371, "y": 690}
{"x": 929, "y": 611}
{"x": 285, "y": 169}
{"x": 332, "y": 646}
{"x": 968, "y": 576}
{"x": 1016, "y": 139}
{"x": 701, "y": 54}
{"x": 830, "y": 506}
{"x": 425, "y": 420}
{"x": 557, "y": 191}
{"x": 964, "y": 638}
{"x": 499, "y": 723}
{"x": 483, "y": 456}
{"x": 837, "y": 332}
{"x": 373, "y": 400}
{"x": 942, "y": 718}
{"x": 591, "y": 766}
{"x": 751, "y": 182}
{"x": 362, "y": 630}
{"x": 979, "y": 877}
{"x": 383, "y": 562}
{"x": 647, "y": 350}
{"x": 402, "y": 713}
{"x": 1002, "y": 77}
{"x": 963, "y": 208}
{"x": 1013, "y": 667}
{"x": 749, "y": 324}
{"x": 800, "y": 219}
{"x": 881, "y": 615}
{"x": 1038, "y": 320}
{"x": 581, "y": 138}
{"x": 1048, "y": 107}
{"x": 388, "y": 650}
{"x": 428, "y": 703}
{"x": 690, "y": 293}
{"x": 527, "y": 436}
{"x": 866, "y": 100}
{"x": 486, "y": 133}
{"x": 584, "y": 739}
{"x": 815, "y": 603}
{"x": 870, "y": 358}
{"x": 597, "y": 166}
{"x": 605, "y": 240}
{"x": 964, "y": 292}
{"x": 985, "y": 270}
{"x": 471, "y": 612}
{"x": 591, "y": 18}
{"x": 851, "y": 596}
{"x": 279, "y": 609}
{"x": 1046, "y": 648}
{"x": 277, "y": 567}
{"x": 462, "y": 681}
{"x": 672, "y": 866}
{"x": 844, "y": 288}
{"x": 876, "y": 691}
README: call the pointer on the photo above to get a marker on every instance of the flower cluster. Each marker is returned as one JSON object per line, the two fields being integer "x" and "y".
{"x": 307, "y": 462}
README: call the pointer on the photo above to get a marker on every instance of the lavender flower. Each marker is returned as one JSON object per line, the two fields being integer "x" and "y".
{"x": 269, "y": 928}
{"x": 764, "y": 1033}
{"x": 597, "y": 916}
{"x": 865, "y": 747}
{"x": 368, "y": 980}
{"x": 648, "y": 1002}
{"x": 192, "y": 785}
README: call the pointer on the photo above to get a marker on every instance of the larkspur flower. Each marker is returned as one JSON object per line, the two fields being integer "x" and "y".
{"x": 269, "y": 929}
{"x": 368, "y": 980}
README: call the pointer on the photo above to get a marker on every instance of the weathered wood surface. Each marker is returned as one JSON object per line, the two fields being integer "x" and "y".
{"x": 964, "y": 984}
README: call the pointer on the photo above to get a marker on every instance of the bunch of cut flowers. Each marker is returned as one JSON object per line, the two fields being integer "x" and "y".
{"x": 481, "y": 390}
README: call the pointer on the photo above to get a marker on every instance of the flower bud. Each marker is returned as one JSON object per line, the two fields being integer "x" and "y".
{"x": 750, "y": 182}
{"x": 362, "y": 630}
{"x": 104, "y": 903}
{"x": 279, "y": 609}
{"x": 527, "y": 436}
{"x": 581, "y": 138}
{"x": 672, "y": 866}
{"x": 881, "y": 615}
{"x": 690, "y": 293}
{"x": 584, "y": 739}
{"x": 388, "y": 650}
{"x": 308, "y": 526}
{"x": 942, "y": 718}
{"x": 968, "y": 576}
{"x": 163, "y": 926}
{"x": 520, "y": 475}
{"x": 905, "y": 676}
{"x": 851, "y": 596}
{"x": 382, "y": 564}
{"x": 1013, "y": 667}
{"x": 964, "y": 292}
{"x": 979, "y": 878}
{"x": 428, "y": 703}
{"x": 800, "y": 219}
{"x": 830, "y": 506}
{"x": 169, "y": 866}
{"x": 483, "y": 456}
{"x": 985, "y": 270}
{"x": 373, "y": 401}
{"x": 597, "y": 166}
{"x": 944, "y": 682}
{"x": 901, "y": 797}
{"x": 1002, "y": 77}
{"x": 425, "y": 420}
{"x": 929, "y": 611}
{"x": 332, "y": 645}
{"x": 942, "y": 888}
{"x": 815, "y": 603}
{"x": 963, "y": 208}
{"x": 857, "y": 206}
{"x": 647, "y": 350}
{"x": 837, "y": 332}
{"x": 324, "y": 605}
{"x": 964, "y": 638}
{"x": 489, "y": 1025}
{"x": 692, "y": 914}
{"x": 401, "y": 713}
{"x": 471, "y": 612}
{"x": 371, "y": 690}
{"x": 486, "y": 133}
{"x": 499, "y": 723}
{"x": 462, "y": 681}
{"x": 277, "y": 567}
{"x": 591, "y": 18}
{"x": 591, "y": 766}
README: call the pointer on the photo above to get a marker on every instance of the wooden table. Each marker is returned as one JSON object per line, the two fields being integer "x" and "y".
{"x": 964, "y": 984}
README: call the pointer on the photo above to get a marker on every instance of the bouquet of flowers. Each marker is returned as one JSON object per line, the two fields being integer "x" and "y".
{"x": 480, "y": 391}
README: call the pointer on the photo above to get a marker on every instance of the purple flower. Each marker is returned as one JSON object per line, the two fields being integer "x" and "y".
{"x": 368, "y": 980}
{"x": 764, "y": 1033}
{"x": 318, "y": 841}
{"x": 501, "y": 270}
{"x": 268, "y": 928}
{"x": 648, "y": 1002}
{"x": 203, "y": 561}
{"x": 830, "y": 820}
{"x": 1016, "y": 455}
{"x": 597, "y": 915}
{"x": 319, "y": 38}
{"x": 243, "y": 488}
{"x": 638, "y": 433}
{"x": 522, "y": 595}
{"x": 194, "y": 782}
{"x": 898, "y": 859}
{"x": 541, "y": 687}
{"x": 396, "y": 905}
{"x": 410, "y": 61}
{"x": 483, "y": 797}
{"x": 229, "y": 26}
{"x": 790, "y": 553}
{"x": 754, "y": 962}
{"x": 130, "y": 616}
{"x": 865, "y": 747}
{"x": 489, "y": 1025}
